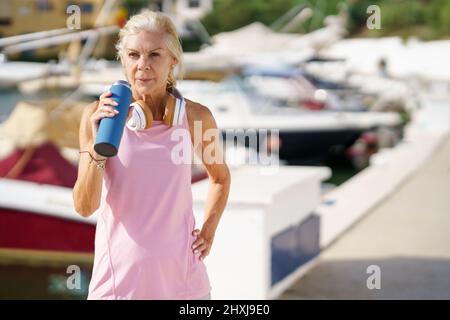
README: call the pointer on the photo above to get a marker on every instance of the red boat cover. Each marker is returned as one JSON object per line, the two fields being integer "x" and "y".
{"x": 46, "y": 165}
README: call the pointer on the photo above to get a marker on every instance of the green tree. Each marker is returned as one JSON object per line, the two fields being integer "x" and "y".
{"x": 229, "y": 15}
{"x": 428, "y": 18}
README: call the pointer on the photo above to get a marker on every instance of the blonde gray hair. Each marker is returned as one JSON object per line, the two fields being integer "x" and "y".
{"x": 154, "y": 21}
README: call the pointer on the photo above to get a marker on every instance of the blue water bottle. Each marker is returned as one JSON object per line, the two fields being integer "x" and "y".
{"x": 110, "y": 130}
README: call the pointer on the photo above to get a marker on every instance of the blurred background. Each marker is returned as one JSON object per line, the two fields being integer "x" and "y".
{"x": 354, "y": 94}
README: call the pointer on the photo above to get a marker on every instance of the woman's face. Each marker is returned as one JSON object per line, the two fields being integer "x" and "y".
{"x": 147, "y": 62}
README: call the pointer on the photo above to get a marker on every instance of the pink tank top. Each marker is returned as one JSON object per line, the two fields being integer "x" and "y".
{"x": 145, "y": 221}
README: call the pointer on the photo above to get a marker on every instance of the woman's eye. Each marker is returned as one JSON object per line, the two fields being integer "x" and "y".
{"x": 154, "y": 54}
{"x": 133, "y": 55}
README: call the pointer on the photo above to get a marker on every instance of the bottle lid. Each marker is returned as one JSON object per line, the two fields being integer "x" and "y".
{"x": 122, "y": 83}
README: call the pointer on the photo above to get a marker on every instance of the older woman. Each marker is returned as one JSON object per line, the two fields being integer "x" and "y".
{"x": 146, "y": 246}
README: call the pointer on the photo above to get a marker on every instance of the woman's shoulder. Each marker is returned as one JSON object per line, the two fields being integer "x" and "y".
{"x": 197, "y": 111}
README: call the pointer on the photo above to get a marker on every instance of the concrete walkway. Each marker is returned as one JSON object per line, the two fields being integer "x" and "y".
{"x": 407, "y": 236}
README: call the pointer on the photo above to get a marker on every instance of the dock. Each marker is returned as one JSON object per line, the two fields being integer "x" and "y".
{"x": 407, "y": 236}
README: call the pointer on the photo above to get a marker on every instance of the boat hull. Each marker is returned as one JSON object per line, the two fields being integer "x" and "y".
{"x": 33, "y": 231}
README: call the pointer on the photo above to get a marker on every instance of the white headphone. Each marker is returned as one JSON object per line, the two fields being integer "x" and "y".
{"x": 173, "y": 114}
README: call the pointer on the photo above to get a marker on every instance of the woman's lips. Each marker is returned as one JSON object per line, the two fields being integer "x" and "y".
{"x": 143, "y": 79}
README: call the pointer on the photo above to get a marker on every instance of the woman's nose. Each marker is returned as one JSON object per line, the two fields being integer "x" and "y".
{"x": 143, "y": 63}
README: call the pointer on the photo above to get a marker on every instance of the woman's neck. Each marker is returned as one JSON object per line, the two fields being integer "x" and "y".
{"x": 156, "y": 101}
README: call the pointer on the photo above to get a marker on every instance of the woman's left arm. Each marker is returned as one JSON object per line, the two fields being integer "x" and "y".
{"x": 211, "y": 153}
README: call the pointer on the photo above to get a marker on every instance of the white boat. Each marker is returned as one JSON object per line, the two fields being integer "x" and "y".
{"x": 256, "y": 44}
{"x": 303, "y": 134}
{"x": 12, "y": 73}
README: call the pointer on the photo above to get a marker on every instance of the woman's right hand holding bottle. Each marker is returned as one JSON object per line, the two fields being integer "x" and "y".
{"x": 105, "y": 108}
